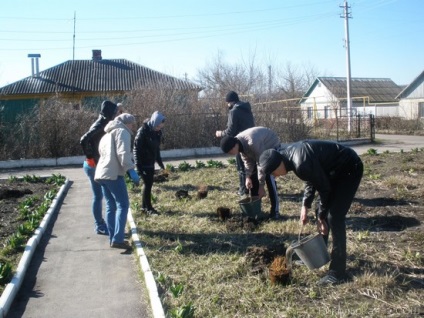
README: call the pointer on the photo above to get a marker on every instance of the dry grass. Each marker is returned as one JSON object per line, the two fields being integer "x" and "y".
{"x": 192, "y": 250}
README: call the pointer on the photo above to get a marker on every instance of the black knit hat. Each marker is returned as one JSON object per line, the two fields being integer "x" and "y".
{"x": 270, "y": 160}
{"x": 228, "y": 143}
{"x": 232, "y": 97}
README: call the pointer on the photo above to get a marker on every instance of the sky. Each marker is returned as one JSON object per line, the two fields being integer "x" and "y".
{"x": 182, "y": 37}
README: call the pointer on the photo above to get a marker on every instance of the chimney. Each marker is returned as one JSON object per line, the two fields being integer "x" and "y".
{"x": 97, "y": 55}
{"x": 34, "y": 64}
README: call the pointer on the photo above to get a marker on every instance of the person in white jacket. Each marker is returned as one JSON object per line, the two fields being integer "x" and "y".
{"x": 115, "y": 160}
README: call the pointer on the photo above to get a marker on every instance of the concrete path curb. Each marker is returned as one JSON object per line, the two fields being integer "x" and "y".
{"x": 12, "y": 288}
{"x": 155, "y": 302}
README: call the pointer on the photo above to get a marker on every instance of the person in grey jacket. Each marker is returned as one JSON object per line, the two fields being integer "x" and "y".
{"x": 250, "y": 144}
{"x": 90, "y": 144}
{"x": 240, "y": 118}
{"x": 335, "y": 172}
{"x": 115, "y": 161}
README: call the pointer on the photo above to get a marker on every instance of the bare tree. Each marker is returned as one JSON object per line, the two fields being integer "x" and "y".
{"x": 218, "y": 77}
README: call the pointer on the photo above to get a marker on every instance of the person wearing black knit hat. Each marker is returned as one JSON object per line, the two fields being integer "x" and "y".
{"x": 335, "y": 172}
{"x": 90, "y": 147}
{"x": 250, "y": 143}
{"x": 240, "y": 118}
{"x": 232, "y": 97}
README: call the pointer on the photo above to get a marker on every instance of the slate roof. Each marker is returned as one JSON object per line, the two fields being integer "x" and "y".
{"x": 95, "y": 76}
{"x": 377, "y": 89}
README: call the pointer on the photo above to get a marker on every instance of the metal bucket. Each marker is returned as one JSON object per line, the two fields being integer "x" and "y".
{"x": 251, "y": 207}
{"x": 311, "y": 250}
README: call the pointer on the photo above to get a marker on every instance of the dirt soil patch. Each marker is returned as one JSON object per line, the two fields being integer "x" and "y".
{"x": 12, "y": 194}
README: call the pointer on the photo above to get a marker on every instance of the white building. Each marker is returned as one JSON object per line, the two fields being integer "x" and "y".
{"x": 411, "y": 104}
{"x": 328, "y": 95}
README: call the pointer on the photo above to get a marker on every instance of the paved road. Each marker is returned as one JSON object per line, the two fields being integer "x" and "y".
{"x": 74, "y": 272}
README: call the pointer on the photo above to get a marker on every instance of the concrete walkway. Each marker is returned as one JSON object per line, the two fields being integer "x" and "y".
{"x": 74, "y": 272}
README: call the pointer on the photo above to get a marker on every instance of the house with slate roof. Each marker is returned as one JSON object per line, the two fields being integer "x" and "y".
{"x": 84, "y": 82}
{"x": 411, "y": 99}
{"x": 327, "y": 95}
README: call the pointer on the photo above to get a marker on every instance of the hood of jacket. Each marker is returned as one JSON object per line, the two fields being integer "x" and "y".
{"x": 156, "y": 119}
{"x": 243, "y": 106}
{"x": 108, "y": 109}
{"x": 116, "y": 124}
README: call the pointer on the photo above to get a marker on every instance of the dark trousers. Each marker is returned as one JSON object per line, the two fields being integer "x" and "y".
{"x": 242, "y": 174}
{"x": 147, "y": 176}
{"x": 343, "y": 192}
{"x": 271, "y": 185}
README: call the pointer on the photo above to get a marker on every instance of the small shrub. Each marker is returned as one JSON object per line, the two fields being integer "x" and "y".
{"x": 184, "y": 166}
{"x": 372, "y": 152}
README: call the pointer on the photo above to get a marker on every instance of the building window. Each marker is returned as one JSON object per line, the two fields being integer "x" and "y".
{"x": 325, "y": 112}
{"x": 309, "y": 112}
{"x": 421, "y": 110}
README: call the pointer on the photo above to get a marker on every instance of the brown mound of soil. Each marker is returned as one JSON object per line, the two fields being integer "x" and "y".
{"x": 278, "y": 271}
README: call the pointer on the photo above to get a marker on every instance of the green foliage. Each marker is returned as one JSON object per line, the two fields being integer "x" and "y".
{"x": 184, "y": 166}
{"x": 161, "y": 278}
{"x": 177, "y": 290}
{"x": 214, "y": 164}
{"x": 154, "y": 198}
{"x": 179, "y": 248}
{"x": 372, "y": 152}
{"x": 26, "y": 228}
{"x": 16, "y": 241}
{"x": 50, "y": 195}
{"x": 31, "y": 179}
{"x": 186, "y": 311}
{"x": 56, "y": 179}
{"x": 362, "y": 235}
{"x": 231, "y": 161}
{"x": 374, "y": 176}
{"x": 5, "y": 273}
{"x": 170, "y": 167}
{"x": 136, "y": 206}
{"x": 200, "y": 164}
{"x": 12, "y": 179}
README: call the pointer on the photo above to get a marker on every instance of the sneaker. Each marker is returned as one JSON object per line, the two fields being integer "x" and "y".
{"x": 102, "y": 229}
{"x": 329, "y": 279}
{"x": 124, "y": 245}
{"x": 152, "y": 211}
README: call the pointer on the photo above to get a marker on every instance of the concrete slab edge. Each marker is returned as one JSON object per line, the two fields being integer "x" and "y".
{"x": 155, "y": 303}
{"x": 165, "y": 154}
{"x": 78, "y": 160}
{"x": 12, "y": 288}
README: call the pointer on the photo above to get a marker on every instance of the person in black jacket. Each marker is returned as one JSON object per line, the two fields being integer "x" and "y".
{"x": 335, "y": 172}
{"x": 90, "y": 144}
{"x": 240, "y": 118}
{"x": 146, "y": 153}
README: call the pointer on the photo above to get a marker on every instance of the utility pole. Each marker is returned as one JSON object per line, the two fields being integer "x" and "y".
{"x": 269, "y": 82}
{"x": 346, "y": 16}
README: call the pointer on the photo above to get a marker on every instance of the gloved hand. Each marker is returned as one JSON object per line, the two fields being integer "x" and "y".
{"x": 91, "y": 162}
{"x": 134, "y": 177}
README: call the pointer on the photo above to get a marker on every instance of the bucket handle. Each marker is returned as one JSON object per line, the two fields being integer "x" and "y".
{"x": 290, "y": 251}
{"x": 300, "y": 232}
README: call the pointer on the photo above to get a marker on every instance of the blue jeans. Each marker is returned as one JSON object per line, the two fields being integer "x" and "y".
{"x": 96, "y": 188}
{"x": 117, "y": 205}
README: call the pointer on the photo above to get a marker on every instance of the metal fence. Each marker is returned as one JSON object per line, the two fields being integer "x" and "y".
{"x": 59, "y": 137}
